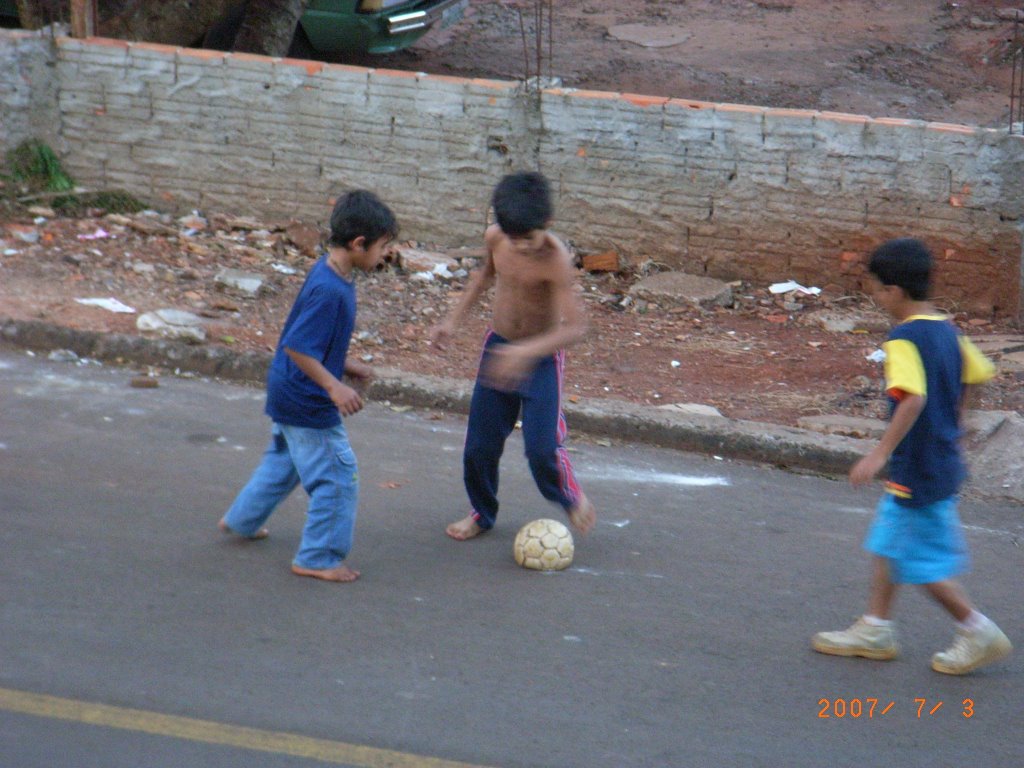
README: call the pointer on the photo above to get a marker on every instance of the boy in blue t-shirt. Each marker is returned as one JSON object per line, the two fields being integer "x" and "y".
{"x": 306, "y": 398}
{"x": 916, "y": 536}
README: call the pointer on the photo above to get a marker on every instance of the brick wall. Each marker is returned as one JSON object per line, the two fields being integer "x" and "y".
{"x": 28, "y": 89}
{"x": 725, "y": 190}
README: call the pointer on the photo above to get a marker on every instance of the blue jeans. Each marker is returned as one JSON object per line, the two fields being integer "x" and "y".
{"x": 323, "y": 461}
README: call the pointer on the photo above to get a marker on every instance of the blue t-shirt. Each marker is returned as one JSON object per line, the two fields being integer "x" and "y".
{"x": 925, "y": 355}
{"x": 319, "y": 325}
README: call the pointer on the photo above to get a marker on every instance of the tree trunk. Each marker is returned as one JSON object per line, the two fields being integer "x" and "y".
{"x": 36, "y": 14}
{"x": 269, "y": 25}
{"x": 174, "y": 22}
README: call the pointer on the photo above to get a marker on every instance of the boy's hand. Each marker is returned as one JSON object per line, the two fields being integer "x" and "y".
{"x": 347, "y": 399}
{"x": 360, "y": 374}
{"x": 506, "y": 366}
{"x": 864, "y": 471}
{"x": 441, "y": 333}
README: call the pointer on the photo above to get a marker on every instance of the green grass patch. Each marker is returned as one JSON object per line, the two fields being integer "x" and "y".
{"x": 33, "y": 163}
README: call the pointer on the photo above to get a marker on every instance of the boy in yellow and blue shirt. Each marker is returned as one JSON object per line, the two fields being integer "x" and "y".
{"x": 916, "y": 537}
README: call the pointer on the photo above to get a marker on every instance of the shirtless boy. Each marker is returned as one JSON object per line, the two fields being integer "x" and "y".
{"x": 536, "y": 314}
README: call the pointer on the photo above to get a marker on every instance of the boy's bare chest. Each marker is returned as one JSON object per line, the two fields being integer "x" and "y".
{"x": 522, "y": 274}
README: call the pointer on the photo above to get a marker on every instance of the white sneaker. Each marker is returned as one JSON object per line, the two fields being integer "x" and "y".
{"x": 861, "y": 639}
{"x": 971, "y": 650}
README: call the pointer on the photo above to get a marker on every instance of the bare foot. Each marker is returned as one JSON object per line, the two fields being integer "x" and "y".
{"x": 339, "y": 573}
{"x": 464, "y": 529}
{"x": 262, "y": 533}
{"x": 582, "y": 515}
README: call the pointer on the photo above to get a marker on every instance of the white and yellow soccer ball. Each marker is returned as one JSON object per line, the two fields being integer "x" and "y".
{"x": 543, "y": 545}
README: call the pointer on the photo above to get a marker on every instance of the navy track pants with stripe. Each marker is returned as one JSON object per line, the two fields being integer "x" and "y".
{"x": 492, "y": 417}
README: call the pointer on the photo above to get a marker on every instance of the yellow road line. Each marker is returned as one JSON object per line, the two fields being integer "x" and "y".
{"x": 190, "y": 729}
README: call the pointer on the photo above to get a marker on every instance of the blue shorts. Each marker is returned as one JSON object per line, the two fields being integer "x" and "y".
{"x": 923, "y": 544}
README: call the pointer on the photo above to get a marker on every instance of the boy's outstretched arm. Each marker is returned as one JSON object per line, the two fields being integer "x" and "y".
{"x": 342, "y": 395}
{"x": 903, "y": 418}
{"x": 480, "y": 280}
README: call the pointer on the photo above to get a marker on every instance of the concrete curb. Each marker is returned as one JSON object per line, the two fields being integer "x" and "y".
{"x": 748, "y": 440}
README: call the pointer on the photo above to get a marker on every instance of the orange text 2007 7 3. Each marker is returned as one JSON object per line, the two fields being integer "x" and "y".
{"x": 870, "y": 707}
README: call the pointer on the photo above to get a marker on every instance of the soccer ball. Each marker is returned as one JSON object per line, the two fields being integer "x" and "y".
{"x": 543, "y": 545}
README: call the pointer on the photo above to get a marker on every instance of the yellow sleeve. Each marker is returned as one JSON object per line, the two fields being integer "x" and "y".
{"x": 904, "y": 370}
{"x": 977, "y": 368}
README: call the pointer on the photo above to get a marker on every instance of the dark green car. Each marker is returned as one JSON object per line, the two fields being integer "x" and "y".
{"x": 371, "y": 26}
{"x": 334, "y": 28}
{"x": 8, "y": 13}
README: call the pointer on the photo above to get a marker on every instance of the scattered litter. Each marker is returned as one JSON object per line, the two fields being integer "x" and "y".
{"x": 401, "y": 408}
{"x": 62, "y": 356}
{"x": 111, "y": 304}
{"x": 878, "y": 356}
{"x": 442, "y": 271}
{"x": 99, "y": 234}
{"x": 572, "y": 639}
{"x": 24, "y": 233}
{"x": 718, "y": 458}
{"x": 144, "y": 382}
{"x": 10, "y": 252}
{"x": 619, "y": 523}
{"x": 284, "y": 269}
{"x": 792, "y": 285}
{"x": 676, "y": 363}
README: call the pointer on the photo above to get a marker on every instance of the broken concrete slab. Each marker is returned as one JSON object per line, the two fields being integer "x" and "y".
{"x": 1012, "y": 362}
{"x": 848, "y": 426}
{"x": 418, "y": 260}
{"x": 979, "y": 426}
{"x": 837, "y": 320}
{"x": 173, "y": 324}
{"x": 999, "y": 344}
{"x": 677, "y": 289}
{"x": 246, "y": 282}
{"x": 997, "y": 465}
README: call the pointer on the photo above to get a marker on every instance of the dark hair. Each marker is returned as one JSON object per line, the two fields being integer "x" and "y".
{"x": 905, "y": 263}
{"x": 361, "y": 213}
{"x": 522, "y": 203}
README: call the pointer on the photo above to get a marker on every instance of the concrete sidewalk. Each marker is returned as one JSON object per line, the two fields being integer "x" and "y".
{"x": 995, "y": 439}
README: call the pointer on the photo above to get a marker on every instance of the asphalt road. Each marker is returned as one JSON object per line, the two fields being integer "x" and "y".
{"x": 133, "y": 634}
